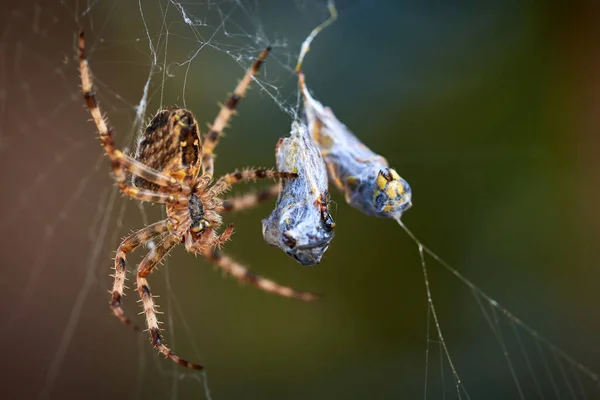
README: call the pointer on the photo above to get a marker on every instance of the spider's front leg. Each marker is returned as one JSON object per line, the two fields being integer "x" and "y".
{"x": 242, "y": 274}
{"x": 121, "y": 163}
{"x": 227, "y": 110}
{"x": 250, "y": 200}
{"x": 128, "y": 245}
{"x": 208, "y": 238}
{"x": 226, "y": 181}
{"x": 223, "y": 237}
{"x": 146, "y": 266}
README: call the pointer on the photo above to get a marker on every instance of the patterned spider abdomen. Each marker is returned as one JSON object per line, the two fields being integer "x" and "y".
{"x": 364, "y": 177}
{"x": 301, "y": 224}
{"x": 170, "y": 144}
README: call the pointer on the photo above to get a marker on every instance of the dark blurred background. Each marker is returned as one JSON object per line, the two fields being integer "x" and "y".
{"x": 490, "y": 111}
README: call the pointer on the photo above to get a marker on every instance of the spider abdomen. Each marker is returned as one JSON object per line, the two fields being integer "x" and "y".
{"x": 170, "y": 144}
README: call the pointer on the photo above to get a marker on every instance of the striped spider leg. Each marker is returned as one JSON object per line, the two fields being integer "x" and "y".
{"x": 365, "y": 178}
{"x": 301, "y": 224}
{"x": 227, "y": 111}
{"x": 166, "y": 170}
{"x": 250, "y": 200}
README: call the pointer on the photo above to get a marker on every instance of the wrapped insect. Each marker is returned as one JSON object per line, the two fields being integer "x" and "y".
{"x": 301, "y": 224}
{"x": 364, "y": 177}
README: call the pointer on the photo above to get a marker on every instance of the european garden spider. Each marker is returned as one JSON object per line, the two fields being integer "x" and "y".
{"x": 166, "y": 170}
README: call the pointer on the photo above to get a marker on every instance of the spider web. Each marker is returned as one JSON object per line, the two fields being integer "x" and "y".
{"x": 462, "y": 107}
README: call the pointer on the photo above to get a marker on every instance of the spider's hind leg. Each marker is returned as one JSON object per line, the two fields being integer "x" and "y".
{"x": 146, "y": 266}
{"x": 128, "y": 245}
{"x": 227, "y": 111}
{"x": 243, "y": 275}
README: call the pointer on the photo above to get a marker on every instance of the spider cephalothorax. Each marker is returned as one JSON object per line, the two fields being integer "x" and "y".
{"x": 166, "y": 170}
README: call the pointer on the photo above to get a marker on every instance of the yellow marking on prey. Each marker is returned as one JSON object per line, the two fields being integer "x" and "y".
{"x": 394, "y": 174}
{"x": 391, "y": 191}
{"x": 381, "y": 181}
{"x": 396, "y": 187}
{"x": 400, "y": 187}
{"x": 388, "y": 208}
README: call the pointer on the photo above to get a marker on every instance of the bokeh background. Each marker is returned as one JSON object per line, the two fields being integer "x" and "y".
{"x": 490, "y": 111}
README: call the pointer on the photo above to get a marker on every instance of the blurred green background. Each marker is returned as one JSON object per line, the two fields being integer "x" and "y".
{"x": 489, "y": 111}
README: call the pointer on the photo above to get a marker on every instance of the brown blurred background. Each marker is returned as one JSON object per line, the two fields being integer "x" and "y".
{"x": 491, "y": 112}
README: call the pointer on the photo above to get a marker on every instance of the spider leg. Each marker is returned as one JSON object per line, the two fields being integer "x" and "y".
{"x": 226, "y": 181}
{"x": 153, "y": 197}
{"x": 120, "y": 161}
{"x": 128, "y": 245}
{"x": 249, "y": 200}
{"x": 223, "y": 237}
{"x": 216, "y": 129}
{"x": 149, "y": 262}
{"x": 242, "y": 274}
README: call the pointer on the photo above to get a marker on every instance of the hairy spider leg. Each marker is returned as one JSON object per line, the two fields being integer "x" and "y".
{"x": 128, "y": 245}
{"x": 227, "y": 111}
{"x": 220, "y": 240}
{"x": 120, "y": 161}
{"x": 243, "y": 275}
{"x": 234, "y": 268}
{"x": 249, "y": 200}
{"x": 149, "y": 262}
{"x": 226, "y": 181}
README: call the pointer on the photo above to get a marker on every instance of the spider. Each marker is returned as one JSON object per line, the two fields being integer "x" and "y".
{"x": 166, "y": 170}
